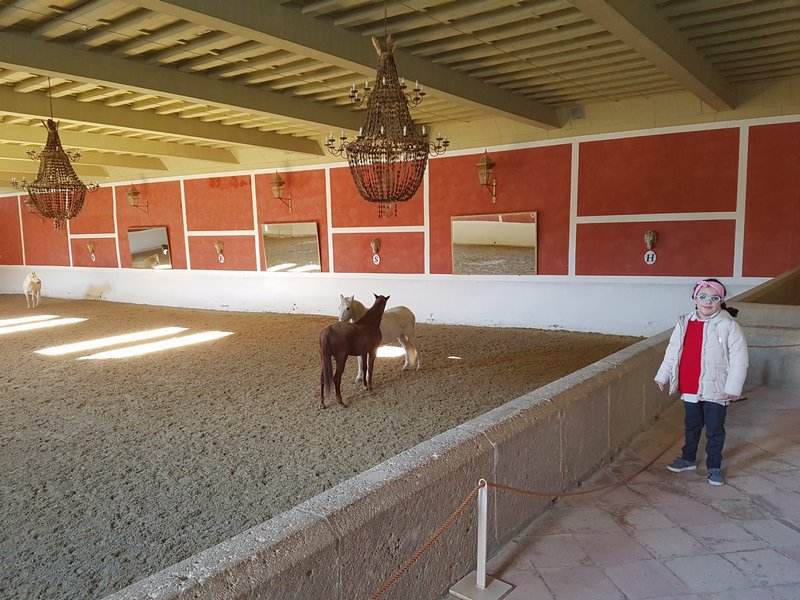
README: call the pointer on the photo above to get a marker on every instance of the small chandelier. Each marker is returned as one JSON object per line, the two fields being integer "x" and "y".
{"x": 388, "y": 157}
{"x": 57, "y": 192}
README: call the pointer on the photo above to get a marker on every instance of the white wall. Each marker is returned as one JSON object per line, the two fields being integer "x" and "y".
{"x": 619, "y": 305}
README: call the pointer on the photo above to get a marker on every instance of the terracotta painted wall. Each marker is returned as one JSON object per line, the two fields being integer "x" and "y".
{"x": 97, "y": 215}
{"x": 219, "y": 204}
{"x": 105, "y": 252}
{"x": 164, "y": 210}
{"x": 44, "y": 245}
{"x": 531, "y": 179}
{"x": 10, "y": 235}
{"x": 307, "y": 190}
{"x": 771, "y": 240}
{"x": 675, "y": 173}
{"x": 239, "y": 252}
{"x": 401, "y": 252}
{"x": 348, "y": 209}
{"x": 684, "y": 248}
{"x": 659, "y": 175}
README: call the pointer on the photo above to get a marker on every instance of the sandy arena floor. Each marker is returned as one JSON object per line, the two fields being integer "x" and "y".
{"x": 111, "y": 470}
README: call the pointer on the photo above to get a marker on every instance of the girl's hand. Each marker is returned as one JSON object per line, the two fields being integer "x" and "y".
{"x": 660, "y": 385}
{"x": 731, "y": 397}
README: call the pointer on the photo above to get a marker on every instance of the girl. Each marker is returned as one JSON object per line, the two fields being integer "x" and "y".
{"x": 706, "y": 360}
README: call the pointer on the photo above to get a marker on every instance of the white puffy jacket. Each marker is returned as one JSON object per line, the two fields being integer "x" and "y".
{"x": 723, "y": 358}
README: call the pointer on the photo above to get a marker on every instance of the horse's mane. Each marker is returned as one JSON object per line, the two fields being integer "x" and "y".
{"x": 375, "y": 312}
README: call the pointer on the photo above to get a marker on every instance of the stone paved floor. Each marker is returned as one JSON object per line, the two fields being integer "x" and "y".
{"x": 670, "y": 536}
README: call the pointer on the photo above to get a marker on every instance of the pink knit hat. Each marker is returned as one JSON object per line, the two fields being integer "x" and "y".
{"x": 718, "y": 287}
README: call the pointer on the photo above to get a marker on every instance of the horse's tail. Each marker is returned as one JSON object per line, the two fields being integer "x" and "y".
{"x": 325, "y": 358}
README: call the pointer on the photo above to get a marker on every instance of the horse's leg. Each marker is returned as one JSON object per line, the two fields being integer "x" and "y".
{"x": 411, "y": 338}
{"x": 408, "y": 358}
{"x": 359, "y": 378}
{"x": 322, "y": 389}
{"x": 410, "y": 346}
{"x": 362, "y": 370}
{"x": 371, "y": 367}
{"x": 337, "y": 378}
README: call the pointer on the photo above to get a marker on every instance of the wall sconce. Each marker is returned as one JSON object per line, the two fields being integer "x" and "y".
{"x": 486, "y": 175}
{"x": 133, "y": 199}
{"x": 650, "y": 239}
{"x": 219, "y": 247}
{"x": 278, "y": 190}
{"x": 90, "y": 248}
{"x": 375, "y": 244}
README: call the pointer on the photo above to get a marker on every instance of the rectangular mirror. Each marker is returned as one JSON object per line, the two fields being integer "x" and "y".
{"x": 291, "y": 247}
{"x": 149, "y": 248}
{"x": 498, "y": 244}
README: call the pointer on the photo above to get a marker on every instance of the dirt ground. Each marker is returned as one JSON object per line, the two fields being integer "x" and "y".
{"x": 111, "y": 470}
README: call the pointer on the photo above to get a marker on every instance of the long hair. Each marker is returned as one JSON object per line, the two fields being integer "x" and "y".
{"x": 731, "y": 310}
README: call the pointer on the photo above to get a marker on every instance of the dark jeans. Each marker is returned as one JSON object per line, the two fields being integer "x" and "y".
{"x": 712, "y": 416}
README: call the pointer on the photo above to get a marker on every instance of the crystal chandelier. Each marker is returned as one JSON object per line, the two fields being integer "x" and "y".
{"x": 57, "y": 193}
{"x": 388, "y": 157}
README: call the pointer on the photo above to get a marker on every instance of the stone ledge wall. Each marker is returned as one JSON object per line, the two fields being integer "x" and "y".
{"x": 344, "y": 543}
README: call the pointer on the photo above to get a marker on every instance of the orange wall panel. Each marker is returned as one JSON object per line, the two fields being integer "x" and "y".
{"x": 105, "y": 253}
{"x": 219, "y": 204}
{"x": 307, "y": 189}
{"x": 10, "y": 235}
{"x": 533, "y": 179}
{"x": 771, "y": 240}
{"x": 349, "y": 209}
{"x": 239, "y": 252}
{"x": 399, "y": 252}
{"x": 97, "y": 214}
{"x": 684, "y": 248}
{"x": 164, "y": 210}
{"x": 44, "y": 244}
{"x": 679, "y": 172}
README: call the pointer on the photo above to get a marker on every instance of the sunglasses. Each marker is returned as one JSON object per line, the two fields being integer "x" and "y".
{"x": 707, "y": 298}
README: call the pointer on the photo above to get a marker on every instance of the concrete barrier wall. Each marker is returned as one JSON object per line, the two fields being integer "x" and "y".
{"x": 770, "y": 317}
{"x": 344, "y": 543}
{"x": 784, "y": 289}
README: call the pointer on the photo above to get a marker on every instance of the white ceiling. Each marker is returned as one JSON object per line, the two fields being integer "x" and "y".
{"x": 146, "y": 88}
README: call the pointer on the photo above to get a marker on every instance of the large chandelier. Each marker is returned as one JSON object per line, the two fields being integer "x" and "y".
{"x": 388, "y": 157}
{"x": 57, "y": 193}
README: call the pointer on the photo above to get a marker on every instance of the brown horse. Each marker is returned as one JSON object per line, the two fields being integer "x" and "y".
{"x": 340, "y": 340}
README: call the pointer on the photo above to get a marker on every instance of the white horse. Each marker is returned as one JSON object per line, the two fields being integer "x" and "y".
{"x": 148, "y": 263}
{"x": 397, "y": 323}
{"x": 32, "y": 288}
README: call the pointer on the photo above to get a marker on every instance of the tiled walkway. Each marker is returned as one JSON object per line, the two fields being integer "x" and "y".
{"x": 671, "y": 535}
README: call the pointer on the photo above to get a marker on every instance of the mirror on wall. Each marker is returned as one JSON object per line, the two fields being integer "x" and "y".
{"x": 291, "y": 247}
{"x": 149, "y": 248}
{"x": 497, "y": 244}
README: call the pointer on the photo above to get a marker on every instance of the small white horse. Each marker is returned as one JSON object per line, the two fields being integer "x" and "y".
{"x": 397, "y": 323}
{"x": 151, "y": 262}
{"x": 32, "y": 288}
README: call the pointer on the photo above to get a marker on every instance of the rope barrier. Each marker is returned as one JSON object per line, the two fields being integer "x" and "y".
{"x": 776, "y": 346}
{"x": 436, "y": 535}
{"x": 507, "y": 488}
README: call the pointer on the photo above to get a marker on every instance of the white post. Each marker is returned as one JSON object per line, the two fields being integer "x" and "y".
{"x": 483, "y": 502}
{"x": 476, "y": 585}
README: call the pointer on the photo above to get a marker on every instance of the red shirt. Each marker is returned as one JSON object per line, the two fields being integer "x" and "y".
{"x": 689, "y": 367}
